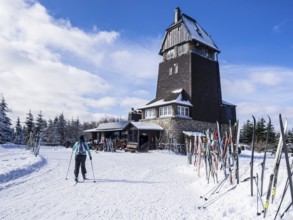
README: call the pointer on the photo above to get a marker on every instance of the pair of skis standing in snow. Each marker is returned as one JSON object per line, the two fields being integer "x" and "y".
{"x": 273, "y": 178}
{"x": 213, "y": 152}
{"x": 254, "y": 179}
{"x": 225, "y": 155}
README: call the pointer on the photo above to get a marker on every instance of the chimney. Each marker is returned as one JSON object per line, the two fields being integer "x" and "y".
{"x": 177, "y": 15}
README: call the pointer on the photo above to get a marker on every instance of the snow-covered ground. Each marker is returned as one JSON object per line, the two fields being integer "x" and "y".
{"x": 153, "y": 185}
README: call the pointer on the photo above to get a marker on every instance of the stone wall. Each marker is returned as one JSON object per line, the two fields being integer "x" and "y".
{"x": 173, "y": 127}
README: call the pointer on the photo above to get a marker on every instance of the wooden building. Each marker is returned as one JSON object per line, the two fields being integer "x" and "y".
{"x": 141, "y": 135}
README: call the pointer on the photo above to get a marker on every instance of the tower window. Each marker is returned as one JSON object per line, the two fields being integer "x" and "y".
{"x": 176, "y": 68}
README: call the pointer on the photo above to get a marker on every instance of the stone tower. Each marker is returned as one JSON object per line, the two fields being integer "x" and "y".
{"x": 189, "y": 85}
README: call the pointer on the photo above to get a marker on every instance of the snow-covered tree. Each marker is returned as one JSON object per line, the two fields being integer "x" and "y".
{"x": 18, "y": 137}
{"x": 29, "y": 126}
{"x": 5, "y": 123}
{"x": 40, "y": 123}
{"x": 48, "y": 133}
{"x": 61, "y": 128}
{"x": 260, "y": 130}
{"x": 246, "y": 132}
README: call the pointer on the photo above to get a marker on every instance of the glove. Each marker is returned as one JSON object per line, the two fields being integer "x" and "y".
{"x": 90, "y": 158}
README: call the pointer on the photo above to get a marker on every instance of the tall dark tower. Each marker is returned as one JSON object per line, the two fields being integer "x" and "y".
{"x": 188, "y": 85}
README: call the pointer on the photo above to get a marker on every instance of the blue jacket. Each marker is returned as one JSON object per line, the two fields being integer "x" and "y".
{"x": 84, "y": 150}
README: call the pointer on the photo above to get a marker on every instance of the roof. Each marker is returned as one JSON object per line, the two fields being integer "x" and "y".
{"x": 197, "y": 32}
{"x": 90, "y": 130}
{"x": 227, "y": 103}
{"x": 193, "y": 133}
{"x": 194, "y": 31}
{"x": 110, "y": 126}
{"x": 178, "y": 96}
{"x": 146, "y": 126}
{"x": 119, "y": 126}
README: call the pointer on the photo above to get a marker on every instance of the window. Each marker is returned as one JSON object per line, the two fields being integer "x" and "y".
{"x": 182, "y": 111}
{"x": 170, "y": 71}
{"x": 150, "y": 113}
{"x": 166, "y": 111}
{"x": 176, "y": 68}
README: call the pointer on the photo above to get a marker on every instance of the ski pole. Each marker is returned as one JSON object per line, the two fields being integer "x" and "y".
{"x": 93, "y": 171}
{"x": 284, "y": 193}
{"x": 286, "y": 210}
{"x": 257, "y": 212}
{"x": 69, "y": 165}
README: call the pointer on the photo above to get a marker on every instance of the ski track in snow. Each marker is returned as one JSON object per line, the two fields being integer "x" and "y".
{"x": 154, "y": 185}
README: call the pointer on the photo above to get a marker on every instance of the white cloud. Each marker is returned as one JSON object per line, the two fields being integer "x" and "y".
{"x": 133, "y": 102}
{"x": 49, "y": 65}
{"x": 259, "y": 91}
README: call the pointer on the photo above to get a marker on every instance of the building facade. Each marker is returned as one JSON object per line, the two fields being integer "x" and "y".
{"x": 188, "y": 95}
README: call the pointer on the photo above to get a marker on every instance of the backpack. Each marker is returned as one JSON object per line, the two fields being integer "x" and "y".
{"x": 81, "y": 148}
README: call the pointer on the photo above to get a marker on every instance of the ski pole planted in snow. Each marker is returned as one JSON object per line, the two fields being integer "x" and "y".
{"x": 252, "y": 156}
{"x": 286, "y": 157}
{"x": 93, "y": 171}
{"x": 265, "y": 155}
{"x": 69, "y": 165}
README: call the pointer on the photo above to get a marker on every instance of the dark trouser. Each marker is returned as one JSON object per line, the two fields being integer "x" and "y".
{"x": 80, "y": 161}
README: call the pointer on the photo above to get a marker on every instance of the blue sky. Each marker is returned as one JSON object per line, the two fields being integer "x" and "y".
{"x": 93, "y": 58}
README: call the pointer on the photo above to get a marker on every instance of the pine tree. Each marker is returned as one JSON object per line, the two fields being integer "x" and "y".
{"x": 246, "y": 132}
{"x": 48, "y": 133}
{"x": 272, "y": 135}
{"x": 29, "y": 126}
{"x": 290, "y": 136}
{"x": 61, "y": 127}
{"x": 260, "y": 130}
{"x": 56, "y": 135}
{"x": 5, "y": 123}
{"x": 18, "y": 132}
{"x": 40, "y": 123}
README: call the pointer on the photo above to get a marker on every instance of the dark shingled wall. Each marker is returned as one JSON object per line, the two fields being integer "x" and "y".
{"x": 200, "y": 78}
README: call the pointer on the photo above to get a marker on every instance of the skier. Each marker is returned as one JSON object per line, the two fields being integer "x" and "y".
{"x": 80, "y": 148}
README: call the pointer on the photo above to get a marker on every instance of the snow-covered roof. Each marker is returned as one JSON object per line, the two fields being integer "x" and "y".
{"x": 112, "y": 126}
{"x": 193, "y": 133}
{"x": 197, "y": 32}
{"x": 119, "y": 126}
{"x": 175, "y": 97}
{"x": 90, "y": 130}
{"x": 146, "y": 126}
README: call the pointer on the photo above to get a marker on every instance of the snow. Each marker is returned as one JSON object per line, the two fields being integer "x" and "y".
{"x": 198, "y": 33}
{"x": 163, "y": 102}
{"x": 153, "y": 185}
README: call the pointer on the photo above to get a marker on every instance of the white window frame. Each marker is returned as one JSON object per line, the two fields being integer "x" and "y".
{"x": 166, "y": 111}
{"x": 170, "y": 71}
{"x": 150, "y": 113}
{"x": 182, "y": 111}
{"x": 175, "y": 68}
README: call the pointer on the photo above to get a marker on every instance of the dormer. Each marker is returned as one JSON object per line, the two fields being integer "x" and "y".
{"x": 185, "y": 35}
